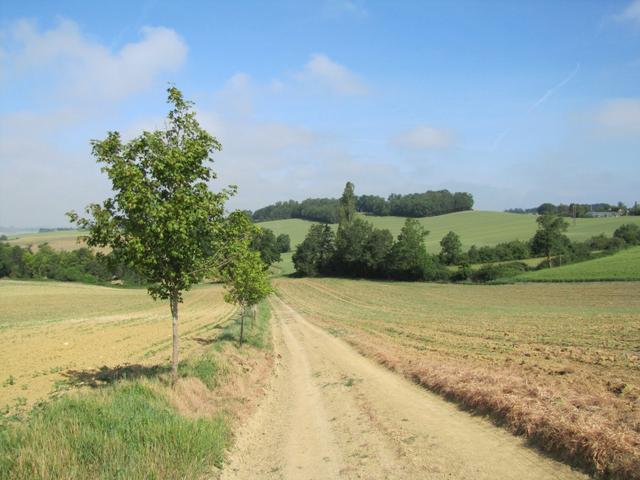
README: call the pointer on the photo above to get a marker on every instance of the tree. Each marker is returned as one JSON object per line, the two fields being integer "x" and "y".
{"x": 547, "y": 209}
{"x": 283, "y": 243}
{"x": 347, "y": 208}
{"x": 163, "y": 221}
{"x": 315, "y": 254}
{"x": 264, "y": 241}
{"x": 549, "y": 240}
{"x": 629, "y": 232}
{"x": 451, "y": 252}
{"x": 408, "y": 257}
{"x": 247, "y": 283}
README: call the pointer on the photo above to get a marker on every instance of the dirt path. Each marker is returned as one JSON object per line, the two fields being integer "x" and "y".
{"x": 332, "y": 413}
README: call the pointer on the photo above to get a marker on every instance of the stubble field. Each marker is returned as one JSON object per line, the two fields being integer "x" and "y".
{"x": 557, "y": 363}
{"x": 56, "y": 335}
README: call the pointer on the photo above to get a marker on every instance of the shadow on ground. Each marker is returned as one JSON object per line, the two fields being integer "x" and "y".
{"x": 103, "y": 376}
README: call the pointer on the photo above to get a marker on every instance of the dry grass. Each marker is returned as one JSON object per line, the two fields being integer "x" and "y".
{"x": 557, "y": 363}
{"x": 55, "y": 333}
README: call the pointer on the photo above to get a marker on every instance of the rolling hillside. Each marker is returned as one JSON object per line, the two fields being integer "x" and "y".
{"x": 624, "y": 265}
{"x": 474, "y": 227}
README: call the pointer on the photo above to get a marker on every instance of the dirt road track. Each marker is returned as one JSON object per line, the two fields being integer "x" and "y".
{"x": 332, "y": 413}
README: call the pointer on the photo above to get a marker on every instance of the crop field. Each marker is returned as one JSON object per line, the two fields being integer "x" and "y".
{"x": 56, "y": 334}
{"x": 558, "y": 363}
{"x": 63, "y": 240}
{"x": 624, "y": 265}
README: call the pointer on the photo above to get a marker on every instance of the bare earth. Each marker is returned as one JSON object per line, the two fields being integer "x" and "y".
{"x": 331, "y": 413}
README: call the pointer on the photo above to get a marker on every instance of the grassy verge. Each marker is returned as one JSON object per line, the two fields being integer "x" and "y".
{"x": 557, "y": 364}
{"x": 136, "y": 426}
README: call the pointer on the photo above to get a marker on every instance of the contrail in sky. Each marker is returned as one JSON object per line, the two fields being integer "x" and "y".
{"x": 554, "y": 89}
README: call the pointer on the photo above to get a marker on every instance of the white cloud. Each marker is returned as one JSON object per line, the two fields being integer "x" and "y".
{"x": 86, "y": 69}
{"x": 423, "y": 137}
{"x": 631, "y": 13}
{"x": 323, "y": 71}
{"x": 620, "y": 117}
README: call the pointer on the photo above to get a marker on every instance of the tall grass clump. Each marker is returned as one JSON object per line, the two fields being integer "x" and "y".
{"x": 124, "y": 431}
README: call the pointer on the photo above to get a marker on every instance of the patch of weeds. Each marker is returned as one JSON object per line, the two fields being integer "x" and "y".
{"x": 206, "y": 368}
{"x": 9, "y": 381}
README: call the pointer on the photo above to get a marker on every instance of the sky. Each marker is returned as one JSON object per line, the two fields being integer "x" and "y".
{"x": 518, "y": 103}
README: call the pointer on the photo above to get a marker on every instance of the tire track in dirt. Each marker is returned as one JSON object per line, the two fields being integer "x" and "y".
{"x": 331, "y": 413}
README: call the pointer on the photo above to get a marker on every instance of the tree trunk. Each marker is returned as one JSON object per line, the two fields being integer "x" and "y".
{"x": 254, "y": 311}
{"x": 242, "y": 325}
{"x": 176, "y": 339}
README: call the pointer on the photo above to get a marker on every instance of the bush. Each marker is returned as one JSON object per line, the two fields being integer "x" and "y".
{"x": 629, "y": 232}
{"x": 492, "y": 272}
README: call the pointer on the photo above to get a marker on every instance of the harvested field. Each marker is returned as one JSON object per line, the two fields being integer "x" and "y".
{"x": 557, "y": 363}
{"x": 58, "y": 334}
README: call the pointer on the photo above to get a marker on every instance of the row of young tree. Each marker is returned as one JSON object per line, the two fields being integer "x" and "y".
{"x": 358, "y": 249}
{"x": 578, "y": 210}
{"x": 325, "y": 210}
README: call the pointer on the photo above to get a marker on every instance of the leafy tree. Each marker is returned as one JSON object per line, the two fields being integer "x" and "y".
{"x": 283, "y": 243}
{"x": 314, "y": 255}
{"x": 163, "y": 220}
{"x": 347, "y": 208}
{"x": 549, "y": 240}
{"x": 629, "y": 232}
{"x": 547, "y": 209}
{"x": 451, "y": 252}
{"x": 408, "y": 257}
{"x": 247, "y": 283}
{"x": 264, "y": 241}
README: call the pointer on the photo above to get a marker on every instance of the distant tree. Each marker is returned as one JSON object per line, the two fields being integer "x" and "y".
{"x": 314, "y": 255}
{"x": 451, "y": 252}
{"x": 408, "y": 258}
{"x": 547, "y": 209}
{"x": 550, "y": 240}
{"x": 629, "y": 232}
{"x": 3, "y": 238}
{"x": 347, "y": 208}
{"x": 473, "y": 254}
{"x": 247, "y": 283}
{"x": 283, "y": 243}
{"x": 163, "y": 220}
{"x": 264, "y": 241}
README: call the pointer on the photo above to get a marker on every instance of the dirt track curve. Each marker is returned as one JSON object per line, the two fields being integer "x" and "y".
{"x": 331, "y": 413}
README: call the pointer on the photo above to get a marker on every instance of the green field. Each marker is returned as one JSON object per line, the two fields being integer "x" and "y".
{"x": 624, "y": 265}
{"x": 474, "y": 228}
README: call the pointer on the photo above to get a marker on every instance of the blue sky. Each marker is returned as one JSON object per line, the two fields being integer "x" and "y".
{"x": 515, "y": 102}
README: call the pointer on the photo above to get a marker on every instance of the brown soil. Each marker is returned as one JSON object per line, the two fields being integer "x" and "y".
{"x": 331, "y": 413}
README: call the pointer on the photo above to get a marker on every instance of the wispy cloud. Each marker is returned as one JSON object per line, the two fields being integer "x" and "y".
{"x": 620, "y": 117}
{"x": 549, "y": 93}
{"x": 345, "y": 8}
{"x": 321, "y": 70}
{"x": 423, "y": 137}
{"x": 631, "y": 13}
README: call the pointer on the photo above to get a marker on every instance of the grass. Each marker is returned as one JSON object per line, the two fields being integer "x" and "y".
{"x": 125, "y": 431}
{"x": 556, "y": 363}
{"x": 474, "y": 228}
{"x": 624, "y": 265}
{"x": 131, "y": 424}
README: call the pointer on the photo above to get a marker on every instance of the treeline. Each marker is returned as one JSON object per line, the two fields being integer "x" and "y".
{"x": 81, "y": 265}
{"x": 427, "y": 204}
{"x": 358, "y": 249}
{"x": 579, "y": 210}
{"x": 325, "y": 210}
